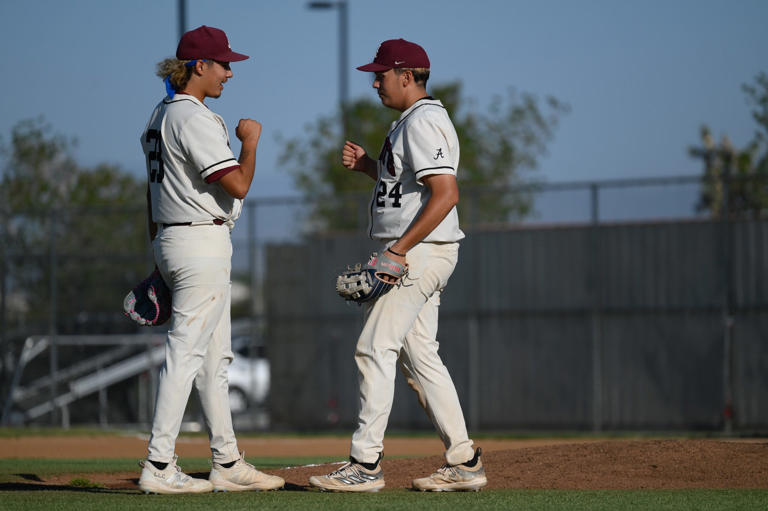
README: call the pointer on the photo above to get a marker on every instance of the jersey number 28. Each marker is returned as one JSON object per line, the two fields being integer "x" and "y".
{"x": 154, "y": 157}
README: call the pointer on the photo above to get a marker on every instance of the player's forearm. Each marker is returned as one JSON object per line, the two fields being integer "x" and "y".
{"x": 150, "y": 222}
{"x": 369, "y": 168}
{"x": 247, "y": 165}
{"x": 436, "y": 209}
{"x": 238, "y": 182}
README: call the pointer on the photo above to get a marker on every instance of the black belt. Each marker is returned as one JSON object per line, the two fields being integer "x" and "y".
{"x": 216, "y": 221}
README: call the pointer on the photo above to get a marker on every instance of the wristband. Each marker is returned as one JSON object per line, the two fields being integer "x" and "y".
{"x": 396, "y": 253}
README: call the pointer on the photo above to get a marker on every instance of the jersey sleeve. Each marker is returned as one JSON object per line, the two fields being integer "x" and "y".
{"x": 427, "y": 148}
{"x": 205, "y": 142}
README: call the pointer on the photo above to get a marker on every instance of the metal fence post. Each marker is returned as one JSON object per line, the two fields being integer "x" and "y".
{"x": 727, "y": 299}
{"x": 253, "y": 270}
{"x": 473, "y": 344}
{"x": 153, "y": 383}
{"x": 252, "y": 257}
{"x": 53, "y": 316}
{"x": 103, "y": 403}
{"x": 5, "y": 351}
{"x": 595, "y": 315}
{"x": 141, "y": 405}
{"x": 473, "y": 367}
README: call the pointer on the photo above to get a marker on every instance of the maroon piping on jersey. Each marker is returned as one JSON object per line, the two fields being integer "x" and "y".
{"x": 220, "y": 173}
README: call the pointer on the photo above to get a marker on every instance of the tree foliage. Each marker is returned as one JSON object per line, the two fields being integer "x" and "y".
{"x": 500, "y": 147}
{"x": 68, "y": 241}
{"x": 742, "y": 172}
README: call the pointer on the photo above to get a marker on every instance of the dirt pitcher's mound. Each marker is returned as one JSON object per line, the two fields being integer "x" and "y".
{"x": 598, "y": 465}
{"x": 612, "y": 464}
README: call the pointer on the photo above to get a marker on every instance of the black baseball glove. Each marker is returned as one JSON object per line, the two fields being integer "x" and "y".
{"x": 149, "y": 303}
{"x": 363, "y": 283}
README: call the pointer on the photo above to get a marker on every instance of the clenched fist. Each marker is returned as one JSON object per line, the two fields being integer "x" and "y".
{"x": 248, "y": 130}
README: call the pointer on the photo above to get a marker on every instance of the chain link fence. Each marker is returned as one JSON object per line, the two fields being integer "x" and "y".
{"x": 563, "y": 280}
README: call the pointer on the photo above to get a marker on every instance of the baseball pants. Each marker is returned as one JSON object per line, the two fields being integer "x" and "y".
{"x": 401, "y": 328}
{"x": 196, "y": 263}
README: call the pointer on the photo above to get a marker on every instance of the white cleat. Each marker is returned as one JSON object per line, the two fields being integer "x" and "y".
{"x": 352, "y": 477}
{"x": 455, "y": 477}
{"x": 242, "y": 476}
{"x": 170, "y": 480}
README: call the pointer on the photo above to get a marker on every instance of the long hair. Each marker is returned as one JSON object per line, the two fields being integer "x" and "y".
{"x": 176, "y": 70}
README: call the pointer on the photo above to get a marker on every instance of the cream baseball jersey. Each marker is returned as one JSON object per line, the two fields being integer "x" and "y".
{"x": 187, "y": 150}
{"x": 420, "y": 143}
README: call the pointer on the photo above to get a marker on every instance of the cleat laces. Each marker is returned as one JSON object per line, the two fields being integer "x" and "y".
{"x": 351, "y": 474}
{"x": 448, "y": 472}
{"x": 242, "y": 460}
{"x": 346, "y": 473}
{"x": 179, "y": 477}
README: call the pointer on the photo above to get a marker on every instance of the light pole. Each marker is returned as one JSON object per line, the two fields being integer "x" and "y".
{"x": 341, "y": 7}
{"x": 182, "y": 11}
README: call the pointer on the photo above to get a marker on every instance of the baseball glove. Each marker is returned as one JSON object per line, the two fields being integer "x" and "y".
{"x": 363, "y": 283}
{"x": 149, "y": 303}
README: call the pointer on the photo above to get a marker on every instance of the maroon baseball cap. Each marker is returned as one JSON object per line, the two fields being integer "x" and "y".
{"x": 207, "y": 43}
{"x": 397, "y": 53}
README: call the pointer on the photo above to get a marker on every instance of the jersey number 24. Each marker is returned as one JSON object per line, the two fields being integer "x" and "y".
{"x": 395, "y": 193}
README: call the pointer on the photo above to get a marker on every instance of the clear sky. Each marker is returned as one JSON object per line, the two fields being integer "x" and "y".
{"x": 640, "y": 76}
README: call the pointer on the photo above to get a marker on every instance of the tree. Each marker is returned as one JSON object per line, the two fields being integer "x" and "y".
{"x": 743, "y": 172}
{"x": 499, "y": 149}
{"x": 65, "y": 224}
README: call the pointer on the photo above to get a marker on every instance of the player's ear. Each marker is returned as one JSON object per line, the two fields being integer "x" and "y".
{"x": 200, "y": 66}
{"x": 406, "y": 77}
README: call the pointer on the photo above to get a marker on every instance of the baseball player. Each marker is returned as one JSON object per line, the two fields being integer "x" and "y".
{"x": 413, "y": 215}
{"x": 195, "y": 192}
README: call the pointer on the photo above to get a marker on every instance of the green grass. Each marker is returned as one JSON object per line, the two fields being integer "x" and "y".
{"x": 658, "y": 500}
{"x": 82, "y": 482}
{"x": 20, "y": 489}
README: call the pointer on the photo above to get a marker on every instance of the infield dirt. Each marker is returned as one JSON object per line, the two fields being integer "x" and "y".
{"x": 523, "y": 464}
